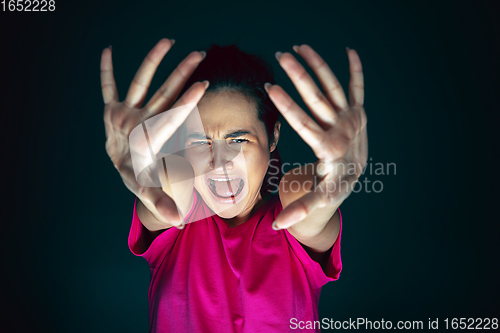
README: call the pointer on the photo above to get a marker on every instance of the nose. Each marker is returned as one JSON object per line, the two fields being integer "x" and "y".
{"x": 220, "y": 156}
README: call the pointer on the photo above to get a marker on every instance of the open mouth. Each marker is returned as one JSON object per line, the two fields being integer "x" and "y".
{"x": 226, "y": 188}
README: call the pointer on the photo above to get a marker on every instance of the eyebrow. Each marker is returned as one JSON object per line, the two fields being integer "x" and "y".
{"x": 202, "y": 136}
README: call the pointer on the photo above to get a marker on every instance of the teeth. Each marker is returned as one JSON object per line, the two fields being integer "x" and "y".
{"x": 214, "y": 191}
{"x": 222, "y": 180}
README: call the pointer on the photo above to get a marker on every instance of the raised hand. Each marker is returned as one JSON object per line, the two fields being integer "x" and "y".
{"x": 120, "y": 118}
{"x": 338, "y": 137}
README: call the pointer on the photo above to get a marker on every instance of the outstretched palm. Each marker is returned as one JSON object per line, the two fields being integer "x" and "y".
{"x": 120, "y": 118}
{"x": 338, "y": 137}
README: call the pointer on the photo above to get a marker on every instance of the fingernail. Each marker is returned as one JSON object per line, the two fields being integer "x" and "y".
{"x": 296, "y": 48}
{"x": 274, "y": 226}
{"x": 278, "y": 55}
{"x": 207, "y": 83}
{"x": 110, "y": 47}
{"x": 266, "y": 86}
{"x": 203, "y": 53}
{"x": 347, "y": 49}
{"x": 172, "y": 40}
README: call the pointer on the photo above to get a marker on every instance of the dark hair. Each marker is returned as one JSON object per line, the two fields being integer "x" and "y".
{"x": 227, "y": 68}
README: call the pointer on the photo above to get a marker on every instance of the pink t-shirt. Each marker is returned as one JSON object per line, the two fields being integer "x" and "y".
{"x": 209, "y": 277}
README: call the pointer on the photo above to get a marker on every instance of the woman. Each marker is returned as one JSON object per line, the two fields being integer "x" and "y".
{"x": 251, "y": 261}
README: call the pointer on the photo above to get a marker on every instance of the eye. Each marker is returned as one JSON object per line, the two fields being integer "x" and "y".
{"x": 199, "y": 143}
{"x": 239, "y": 140}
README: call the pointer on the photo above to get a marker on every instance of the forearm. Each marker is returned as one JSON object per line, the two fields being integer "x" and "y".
{"x": 319, "y": 249}
{"x": 177, "y": 180}
{"x": 149, "y": 221}
{"x": 297, "y": 183}
{"x": 317, "y": 221}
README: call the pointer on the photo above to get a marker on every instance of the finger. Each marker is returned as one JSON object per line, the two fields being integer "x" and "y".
{"x": 299, "y": 209}
{"x": 142, "y": 79}
{"x": 154, "y": 198}
{"x": 329, "y": 82}
{"x": 307, "y": 128}
{"x": 108, "y": 84}
{"x": 170, "y": 89}
{"x": 356, "y": 83}
{"x": 168, "y": 122}
{"x": 319, "y": 105}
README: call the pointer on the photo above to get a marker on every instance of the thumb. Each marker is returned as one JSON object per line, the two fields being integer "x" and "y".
{"x": 164, "y": 208}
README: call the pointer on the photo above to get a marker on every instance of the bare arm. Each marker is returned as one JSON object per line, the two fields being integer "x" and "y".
{"x": 149, "y": 220}
{"x": 319, "y": 230}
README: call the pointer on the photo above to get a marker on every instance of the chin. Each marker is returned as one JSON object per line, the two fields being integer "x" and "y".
{"x": 229, "y": 213}
{"x": 226, "y": 211}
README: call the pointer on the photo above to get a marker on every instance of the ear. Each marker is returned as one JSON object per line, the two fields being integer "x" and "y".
{"x": 277, "y": 128}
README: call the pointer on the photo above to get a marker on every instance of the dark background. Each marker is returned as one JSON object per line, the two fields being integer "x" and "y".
{"x": 426, "y": 246}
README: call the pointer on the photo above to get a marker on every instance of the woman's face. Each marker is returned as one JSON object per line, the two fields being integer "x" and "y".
{"x": 229, "y": 152}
